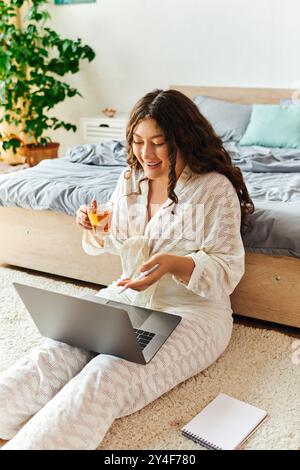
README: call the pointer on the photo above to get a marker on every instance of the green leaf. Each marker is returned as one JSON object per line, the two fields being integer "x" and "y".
{"x": 14, "y": 144}
{"x": 33, "y": 60}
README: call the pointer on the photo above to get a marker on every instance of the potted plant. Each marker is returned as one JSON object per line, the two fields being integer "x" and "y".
{"x": 33, "y": 58}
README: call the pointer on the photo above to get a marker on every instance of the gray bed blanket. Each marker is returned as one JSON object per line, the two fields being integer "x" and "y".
{"x": 58, "y": 185}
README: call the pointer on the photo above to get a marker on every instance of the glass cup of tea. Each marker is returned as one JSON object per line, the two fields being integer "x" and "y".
{"x": 100, "y": 216}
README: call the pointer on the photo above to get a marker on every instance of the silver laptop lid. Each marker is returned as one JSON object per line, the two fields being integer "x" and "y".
{"x": 81, "y": 323}
{"x": 137, "y": 315}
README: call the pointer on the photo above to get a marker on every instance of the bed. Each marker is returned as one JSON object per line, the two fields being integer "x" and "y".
{"x": 34, "y": 237}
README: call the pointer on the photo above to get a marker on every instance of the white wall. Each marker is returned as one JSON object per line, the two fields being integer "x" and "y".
{"x": 144, "y": 44}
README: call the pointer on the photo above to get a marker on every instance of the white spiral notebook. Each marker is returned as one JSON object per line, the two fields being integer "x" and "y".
{"x": 224, "y": 424}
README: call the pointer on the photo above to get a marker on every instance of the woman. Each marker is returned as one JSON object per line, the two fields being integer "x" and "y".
{"x": 179, "y": 205}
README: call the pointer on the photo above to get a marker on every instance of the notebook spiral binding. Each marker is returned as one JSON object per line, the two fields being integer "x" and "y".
{"x": 198, "y": 440}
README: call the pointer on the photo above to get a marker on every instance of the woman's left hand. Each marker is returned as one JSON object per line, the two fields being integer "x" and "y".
{"x": 166, "y": 265}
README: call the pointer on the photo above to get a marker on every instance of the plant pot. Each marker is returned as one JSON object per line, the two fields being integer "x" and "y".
{"x": 35, "y": 153}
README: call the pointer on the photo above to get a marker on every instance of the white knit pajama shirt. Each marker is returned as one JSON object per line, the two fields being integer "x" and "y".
{"x": 62, "y": 397}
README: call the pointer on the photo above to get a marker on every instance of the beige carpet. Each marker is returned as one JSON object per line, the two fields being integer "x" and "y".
{"x": 258, "y": 367}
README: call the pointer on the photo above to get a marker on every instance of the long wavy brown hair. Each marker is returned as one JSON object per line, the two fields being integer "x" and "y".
{"x": 188, "y": 131}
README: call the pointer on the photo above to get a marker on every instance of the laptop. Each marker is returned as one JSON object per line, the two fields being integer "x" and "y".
{"x": 98, "y": 325}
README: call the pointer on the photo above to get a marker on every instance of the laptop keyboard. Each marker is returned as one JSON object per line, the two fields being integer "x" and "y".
{"x": 143, "y": 337}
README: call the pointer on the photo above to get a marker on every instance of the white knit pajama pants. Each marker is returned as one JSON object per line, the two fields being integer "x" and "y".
{"x": 61, "y": 397}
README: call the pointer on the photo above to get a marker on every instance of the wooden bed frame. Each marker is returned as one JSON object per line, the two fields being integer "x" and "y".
{"x": 50, "y": 242}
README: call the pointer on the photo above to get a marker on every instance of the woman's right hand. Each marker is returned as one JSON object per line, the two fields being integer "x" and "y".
{"x": 82, "y": 218}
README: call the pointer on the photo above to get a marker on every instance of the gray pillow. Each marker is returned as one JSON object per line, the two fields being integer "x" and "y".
{"x": 112, "y": 153}
{"x": 229, "y": 120}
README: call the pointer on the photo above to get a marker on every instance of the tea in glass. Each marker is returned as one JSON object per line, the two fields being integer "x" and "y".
{"x": 99, "y": 216}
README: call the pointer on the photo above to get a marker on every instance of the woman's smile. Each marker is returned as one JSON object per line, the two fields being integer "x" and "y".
{"x": 152, "y": 165}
